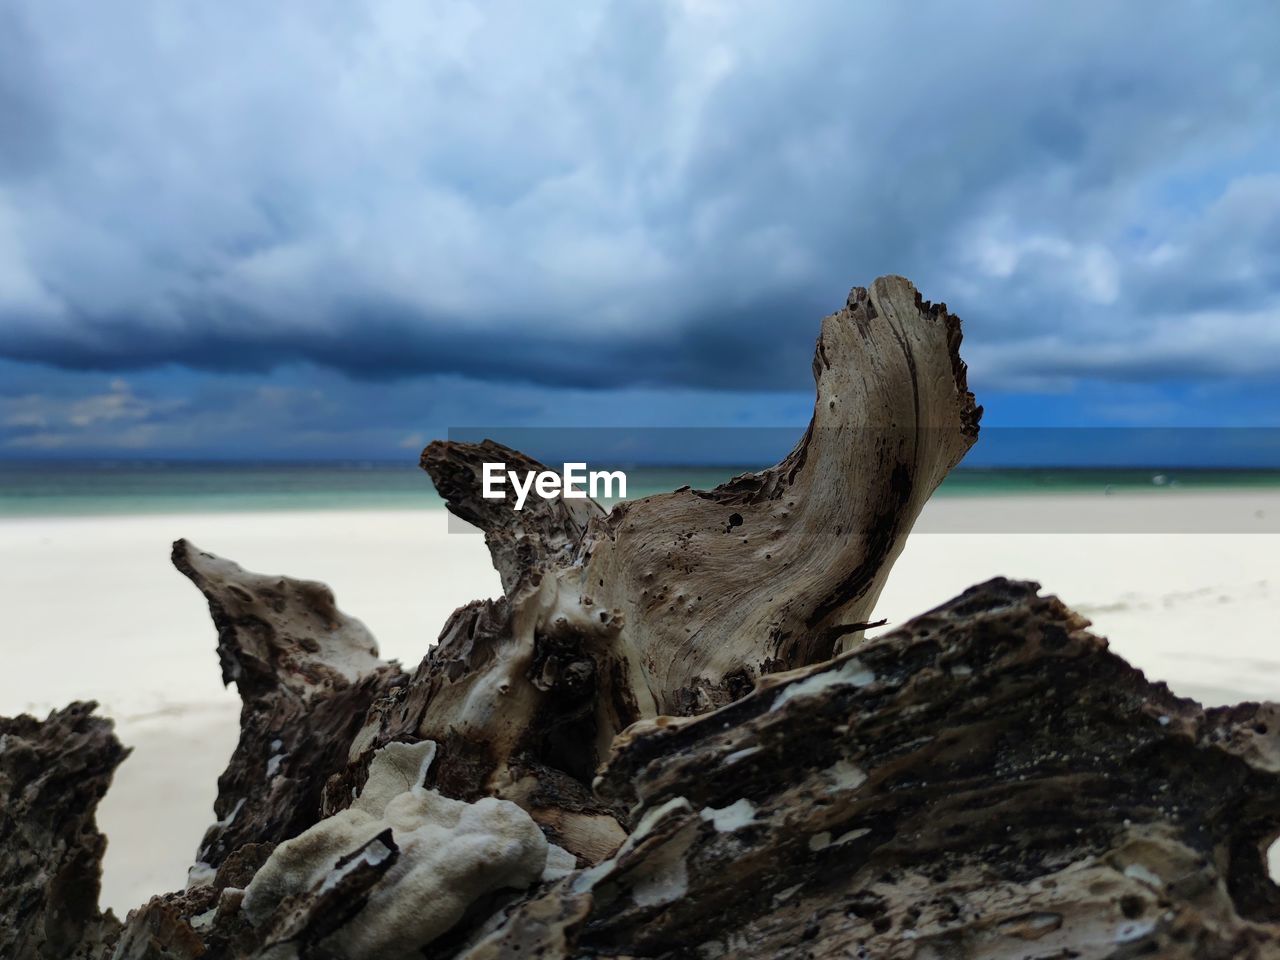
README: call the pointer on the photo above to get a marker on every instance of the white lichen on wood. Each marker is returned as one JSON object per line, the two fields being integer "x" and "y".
{"x": 450, "y": 854}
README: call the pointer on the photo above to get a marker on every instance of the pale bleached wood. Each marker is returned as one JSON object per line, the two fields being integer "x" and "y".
{"x": 682, "y": 600}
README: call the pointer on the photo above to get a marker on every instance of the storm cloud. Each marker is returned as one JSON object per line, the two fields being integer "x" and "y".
{"x": 636, "y": 193}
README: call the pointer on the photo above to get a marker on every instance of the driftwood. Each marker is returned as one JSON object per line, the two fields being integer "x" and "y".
{"x": 669, "y": 738}
{"x": 52, "y": 775}
{"x": 306, "y": 673}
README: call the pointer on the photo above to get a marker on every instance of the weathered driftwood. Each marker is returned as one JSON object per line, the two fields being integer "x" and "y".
{"x": 668, "y": 738}
{"x": 52, "y": 775}
{"x": 987, "y": 781}
{"x": 676, "y": 604}
{"x": 306, "y": 673}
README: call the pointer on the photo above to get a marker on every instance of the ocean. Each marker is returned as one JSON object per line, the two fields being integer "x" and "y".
{"x": 112, "y": 487}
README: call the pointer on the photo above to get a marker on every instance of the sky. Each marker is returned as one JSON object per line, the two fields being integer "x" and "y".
{"x": 324, "y": 229}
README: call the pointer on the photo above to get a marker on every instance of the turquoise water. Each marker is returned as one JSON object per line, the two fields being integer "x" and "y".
{"x": 120, "y": 487}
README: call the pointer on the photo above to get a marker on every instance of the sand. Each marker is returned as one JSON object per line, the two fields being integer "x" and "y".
{"x": 93, "y": 610}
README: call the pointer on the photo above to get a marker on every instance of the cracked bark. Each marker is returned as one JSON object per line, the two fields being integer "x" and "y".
{"x": 987, "y": 781}
{"x": 52, "y": 775}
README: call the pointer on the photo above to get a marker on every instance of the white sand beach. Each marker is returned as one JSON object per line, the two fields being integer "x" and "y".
{"x": 93, "y": 610}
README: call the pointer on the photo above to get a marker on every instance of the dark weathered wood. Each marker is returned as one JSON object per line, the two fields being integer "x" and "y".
{"x": 987, "y": 781}
{"x": 521, "y": 542}
{"x": 537, "y": 752}
{"x": 52, "y": 775}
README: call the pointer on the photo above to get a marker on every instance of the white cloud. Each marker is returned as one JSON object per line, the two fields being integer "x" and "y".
{"x": 115, "y": 417}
